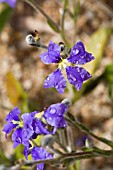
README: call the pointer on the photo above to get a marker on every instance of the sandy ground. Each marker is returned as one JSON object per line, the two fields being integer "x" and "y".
{"x": 95, "y": 109}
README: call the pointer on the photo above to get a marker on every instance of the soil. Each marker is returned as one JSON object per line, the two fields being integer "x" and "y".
{"x": 94, "y": 110}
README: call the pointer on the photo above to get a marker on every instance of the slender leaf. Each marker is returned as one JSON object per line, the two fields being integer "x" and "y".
{"x": 108, "y": 73}
{"x": 106, "y": 76}
{"x": 66, "y": 4}
{"x": 4, "y": 16}
{"x": 76, "y": 10}
{"x": 53, "y": 26}
{"x": 92, "y": 84}
{"x": 18, "y": 152}
{"x": 14, "y": 89}
{"x": 3, "y": 158}
{"x": 110, "y": 91}
{"x": 96, "y": 46}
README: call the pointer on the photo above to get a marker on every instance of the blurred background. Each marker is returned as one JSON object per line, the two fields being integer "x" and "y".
{"x": 22, "y": 73}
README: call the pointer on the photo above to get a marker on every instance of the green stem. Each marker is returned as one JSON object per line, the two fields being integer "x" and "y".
{"x": 60, "y": 30}
{"x": 38, "y": 8}
{"x": 83, "y": 128}
{"x": 106, "y": 153}
{"x": 67, "y": 158}
{"x": 62, "y": 25}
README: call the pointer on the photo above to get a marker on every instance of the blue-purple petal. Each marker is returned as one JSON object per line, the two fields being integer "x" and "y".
{"x": 13, "y": 115}
{"x": 54, "y": 115}
{"x": 26, "y": 152}
{"x": 12, "y": 3}
{"x": 9, "y": 127}
{"x": 56, "y": 80}
{"x": 52, "y": 55}
{"x": 28, "y": 121}
{"x": 40, "y": 127}
{"x": 19, "y": 136}
{"x": 40, "y": 166}
{"x": 77, "y": 75}
{"x": 78, "y": 55}
{"x": 39, "y": 153}
{"x": 85, "y": 75}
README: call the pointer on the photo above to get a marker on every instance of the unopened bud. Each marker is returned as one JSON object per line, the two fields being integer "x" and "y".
{"x": 67, "y": 102}
{"x": 34, "y": 41}
{"x": 47, "y": 140}
{"x": 88, "y": 143}
{"x": 30, "y": 40}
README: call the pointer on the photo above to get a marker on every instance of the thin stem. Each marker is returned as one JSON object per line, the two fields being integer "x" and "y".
{"x": 38, "y": 8}
{"x": 62, "y": 25}
{"x": 61, "y": 144}
{"x": 67, "y": 157}
{"x": 83, "y": 128}
{"x": 105, "y": 153}
{"x": 60, "y": 30}
{"x": 41, "y": 46}
{"x": 70, "y": 139}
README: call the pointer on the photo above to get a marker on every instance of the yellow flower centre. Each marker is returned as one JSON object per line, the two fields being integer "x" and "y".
{"x": 21, "y": 124}
{"x": 63, "y": 63}
{"x": 39, "y": 115}
{"x": 15, "y": 122}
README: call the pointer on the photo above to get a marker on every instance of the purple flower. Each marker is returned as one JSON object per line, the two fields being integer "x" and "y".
{"x": 54, "y": 115}
{"x": 39, "y": 153}
{"x": 78, "y": 55}
{"x": 27, "y": 152}
{"x": 12, "y": 120}
{"x": 56, "y": 80}
{"x": 12, "y": 3}
{"x": 52, "y": 55}
{"x": 27, "y": 123}
{"x": 40, "y": 127}
{"x": 33, "y": 125}
{"x": 13, "y": 115}
{"x": 30, "y": 125}
{"x": 19, "y": 136}
{"x": 75, "y": 75}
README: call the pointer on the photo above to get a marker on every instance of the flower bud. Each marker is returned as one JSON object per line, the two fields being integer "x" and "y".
{"x": 30, "y": 40}
{"x": 47, "y": 140}
{"x": 67, "y": 102}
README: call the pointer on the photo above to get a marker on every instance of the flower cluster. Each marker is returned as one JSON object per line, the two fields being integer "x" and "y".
{"x": 59, "y": 54}
{"x": 12, "y": 3}
{"x": 29, "y": 126}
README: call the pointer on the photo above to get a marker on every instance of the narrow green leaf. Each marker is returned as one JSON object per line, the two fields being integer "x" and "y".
{"x": 96, "y": 46}
{"x": 14, "y": 89}
{"x": 78, "y": 163}
{"x": 108, "y": 73}
{"x": 66, "y": 4}
{"x": 71, "y": 167}
{"x": 3, "y": 158}
{"x": 76, "y": 10}
{"x": 4, "y": 16}
{"x": 110, "y": 90}
{"x": 18, "y": 152}
{"x": 53, "y": 26}
{"x": 92, "y": 84}
{"x": 108, "y": 77}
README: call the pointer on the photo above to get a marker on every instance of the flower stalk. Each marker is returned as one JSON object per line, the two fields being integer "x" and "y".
{"x": 38, "y": 8}
{"x": 73, "y": 121}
